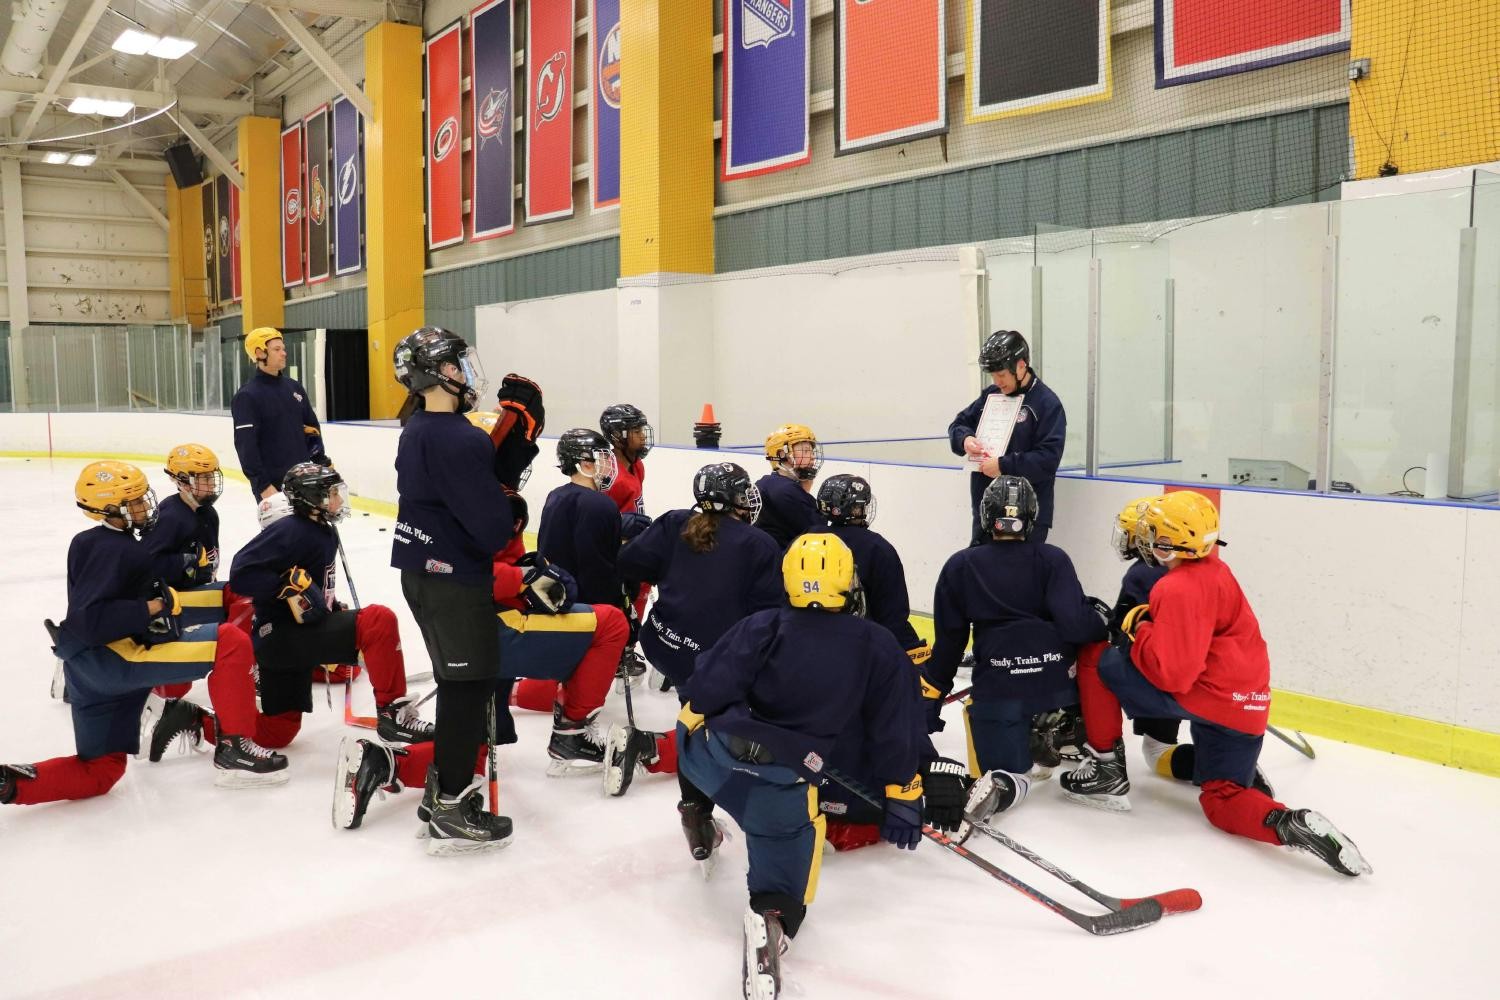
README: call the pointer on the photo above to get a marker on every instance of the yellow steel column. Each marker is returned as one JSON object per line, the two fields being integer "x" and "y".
{"x": 177, "y": 299}
{"x": 263, "y": 296}
{"x": 193, "y": 264}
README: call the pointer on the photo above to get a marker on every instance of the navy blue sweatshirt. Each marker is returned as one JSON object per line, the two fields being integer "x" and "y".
{"x": 792, "y": 679}
{"x": 884, "y": 579}
{"x": 452, "y": 517}
{"x": 787, "y": 510}
{"x": 184, "y": 537}
{"x": 110, "y": 580}
{"x": 1029, "y": 617}
{"x": 292, "y": 541}
{"x": 700, "y": 594}
{"x": 1136, "y": 586}
{"x": 580, "y": 531}
{"x": 1036, "y": 443}
{"x": 271, "y": 414}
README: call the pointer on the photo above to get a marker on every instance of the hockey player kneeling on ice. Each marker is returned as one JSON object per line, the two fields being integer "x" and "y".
{"x": 787, "y": 505}
{"x": 122, "y": 635}
{"x": 288, "y": 572}
{"x": 1195, "y": 652}
{"x": 632, "y": 437}
{"x": 711, "y": 567}
{"x": 766, "y": 704}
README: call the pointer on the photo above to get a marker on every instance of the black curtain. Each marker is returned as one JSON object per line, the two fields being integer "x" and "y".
{"x": 346, "y": 374}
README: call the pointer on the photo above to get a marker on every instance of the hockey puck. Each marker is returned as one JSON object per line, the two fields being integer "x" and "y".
{"x": 382, "y": 529}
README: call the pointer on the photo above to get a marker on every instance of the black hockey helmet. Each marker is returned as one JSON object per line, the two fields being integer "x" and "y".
{"x": 419, "y": 360}
{"x": 725, "y": 487}
{"x": 317, "y": 490}
{"x": 1002, "y": 349}
{"x": 847, "y": 499}
{"x": 618, "y": 419}
{"x": 1008, "y": 507}
{"x": 584, "y": 444}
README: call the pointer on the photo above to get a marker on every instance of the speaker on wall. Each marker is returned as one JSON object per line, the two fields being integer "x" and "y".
{"x": 187, "y": 168}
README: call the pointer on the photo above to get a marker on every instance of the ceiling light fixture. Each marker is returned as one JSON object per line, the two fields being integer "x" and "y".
{"x": 55, "y": 158}
{"x": 96, "y": 106}
{"x": 82, "y": 159}
{"x": 141, "y": 43}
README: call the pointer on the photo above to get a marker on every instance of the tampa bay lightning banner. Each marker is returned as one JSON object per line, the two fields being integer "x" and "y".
{"x": 348, "y": 189}
{"x": 766, "y": 95}
{"x": 492, "y": 179}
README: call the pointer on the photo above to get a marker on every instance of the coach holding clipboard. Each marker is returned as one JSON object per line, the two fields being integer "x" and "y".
{"x": 1017, "y": 427}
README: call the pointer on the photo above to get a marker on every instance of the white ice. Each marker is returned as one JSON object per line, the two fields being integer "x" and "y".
{"x": 170, "y": 886}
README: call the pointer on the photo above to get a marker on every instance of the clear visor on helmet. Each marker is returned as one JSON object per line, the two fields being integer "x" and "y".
{"x": 336, "y": 507}
{"x": 749, "y": 508}
{"x": 605, "y": 469}
{"x": 473, "y": 369}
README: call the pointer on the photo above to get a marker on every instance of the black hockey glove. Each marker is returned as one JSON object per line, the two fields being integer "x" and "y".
{"x": 946, "y": 785}
{"x": 543, "y": 586}
{"x": 633, "y": 525}
{"x": 302, "y": 596}
{"x": 321, "y": 459}
{"x": 521, "y": 400}
{"x": 164, "y": 626}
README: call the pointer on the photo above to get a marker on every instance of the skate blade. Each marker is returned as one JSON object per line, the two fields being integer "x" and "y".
{"x": 150, "y": 715}
{"x": 447, "y": 847}
{"x": 1039, "y": 773}
{"x": 615, "y": 780}
{"x": 1349, "y": 856}
{"x": 1107, "y": 803}
{"x": 236, "y": 780}
{"x": 760, "y": 984}
{"x": 344, "y": 776}
{"x": 59, "y": 683}
{"x": 573, "y": 768}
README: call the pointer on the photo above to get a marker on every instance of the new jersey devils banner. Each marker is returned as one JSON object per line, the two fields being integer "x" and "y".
{"x": 549, "y": 116}
{"x": 210, "y": 242}
{"x": 315, "y": 135}
{"x": 1026, "y": 57}
{"x": 347, "y": 189}
{"x": 234, "y": 241}
{"x": 604, "y": 102}
{"x": 766, "y": 72}
{"x": 445, "y": 179}
{"x": 1199, "y": 39}
{"x": 291, "y": 205}
{"x": 492, "y": 177}
{"x": 890, "y": 72}
{"x": 223, "y": 238}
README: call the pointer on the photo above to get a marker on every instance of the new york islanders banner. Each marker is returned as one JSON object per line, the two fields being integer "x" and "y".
{"x": 234, "y": 241}
{"x": 210, "y": 241}
{"x": 223, "y": 239}
{"x": 604, "y": 102}
{"x": 1199, "y": 39}
{"x": 766, "y": 95}
{"x": 890, "y": 72}
{"x": 348, "y": 189}
{"x": 549, "y": 116}
{"x": 315, "y": 134}
{"x": 492, "y": 174}
{"x": 1025, "y": 57}
{"x": 291, "y": 205}
{"x": 445, "y": 178}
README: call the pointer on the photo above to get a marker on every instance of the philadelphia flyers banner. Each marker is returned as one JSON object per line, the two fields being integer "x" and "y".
{"x": 445, "y": 176}
{"x": 549, "y": 114}
{"x": 891, "y": 72}
{"x": 492, "y": 174}
{"x": 767, "y": 66}
{"x": 234, "y": 240}
{"x": 1199, "y": 39}
{"x": 315, "y": 134}
{"x": 291, "y": 205}
{"x": 604, "y": 102}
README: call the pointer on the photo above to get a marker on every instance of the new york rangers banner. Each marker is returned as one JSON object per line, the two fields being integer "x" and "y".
{"x": 1025, "y": 57}
{"x": 210, "y": 242}
{"x": 223, "y": 238}
{"x": 445, "y": 179}
{"x": 291, "y": 205}
{"x": 234, "y": 241}
{"x": 890, "y": 72}
{"x": 549, "y": 117}
{"x": 766, "y": 95}
{"x": 348, "y": 189}
{"x": 492, "y": 174}
{"x": 604, "y": 102}
{"x": 315, "y": 134}
{"x": 1199, "y": 39}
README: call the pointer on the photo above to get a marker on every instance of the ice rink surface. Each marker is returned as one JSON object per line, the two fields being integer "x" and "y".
{"x": 169, "y": 886}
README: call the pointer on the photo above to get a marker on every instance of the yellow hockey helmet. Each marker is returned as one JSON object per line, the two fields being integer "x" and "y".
{"x": 818, "y": 572}
{"x": 257, "y": 339}
{"x": 116, "y": 489}
{"x": 795, "y": 448}
{"x": 189, "y": 464}
{"x": 1123, "y": 537}
{"x": 1183, "y": 524}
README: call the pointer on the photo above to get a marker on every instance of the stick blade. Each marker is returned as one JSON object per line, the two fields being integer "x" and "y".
{"x": 1132, "y": 918}
{"x": 1172, "y": 901}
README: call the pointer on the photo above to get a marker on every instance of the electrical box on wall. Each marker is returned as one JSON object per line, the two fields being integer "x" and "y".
{"x": 1271, "y": 474}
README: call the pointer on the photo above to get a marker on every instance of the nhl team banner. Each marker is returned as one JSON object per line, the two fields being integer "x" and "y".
{"x": 445, "y": 178}
{"x": 348, "y": 183}
{"x": 604, "y": 102}
{"x": 891, "y": 73}
{"x": 291, "y": 205}
{"x": 492, "y": 171}
{"x": 1025, "y": 57}
{"x": 210, "y": 241}
{"x": 1199, "y": 39}
{"x": 234, "y": 241}
{"x": 549, "y": 116}
{"x": 223, "y": 239}
{"x": 315, "y": 134}
{"x": 767, "y": 68}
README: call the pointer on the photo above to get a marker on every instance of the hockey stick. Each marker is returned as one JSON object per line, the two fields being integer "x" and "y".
{"x": 350, "y": 719}
{"x": 1171, "y": 901}
{"x": 494, "y": 774}
{"x": 958, "y": 695}
{"x": 1300, "y": 744}
{"x": 1142, "y": 914}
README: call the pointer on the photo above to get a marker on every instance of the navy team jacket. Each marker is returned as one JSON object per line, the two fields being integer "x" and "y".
{"x": 787, "y": 510}
{"x": 270, "y": 413}
{"x": 884, "y": 579}
{"x": 292, "y": 541}
{"x": 580, "y": 531}
{"x": 175, "y": 541}
{"x": 110, "y": 579}
{"x": 1036, "y": 443}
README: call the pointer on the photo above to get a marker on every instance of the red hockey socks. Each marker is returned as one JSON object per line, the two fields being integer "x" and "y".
{"x": 70, "y": 778}
{"x": 1239, "y": 810}
{"x": 379, "y": 639}
{"x": 1101, "y": 709}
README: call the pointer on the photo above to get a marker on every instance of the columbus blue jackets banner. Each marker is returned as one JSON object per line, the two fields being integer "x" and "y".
{"x": 604, "y": 102}
{"x": 1025, "y": 57}
{"x": 445, "y": 176}
{"x": 549, "y": 115}
{"x": 492, "y": 176}
{"x": 891, "y": 72}
{"x": 291, "y": 205}
{"x": 348, "y": 189}
{"x": 223, "y": 239}
{"x": 315, "y": 129}
{"x": 1199, "y": 39}
{"x": 767, "y": 55}
{"x": 210, "y": 242}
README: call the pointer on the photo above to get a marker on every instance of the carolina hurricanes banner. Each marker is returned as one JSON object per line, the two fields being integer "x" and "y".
{"x": 890, "y": 73}
{"x": 766, "y": 94}
{"x": 210, "y": 242}
{"x": 291, "y": 205}
{"x": 234, "y": 240}
{"x": 1026, "y": 57}
{"x": 549, "y": 118}
{"x": 347, "y": 189}
{"x": 1199, "y": 39}
{"x": 492, "y": 174}
{"x": 315, "y": 134}
{"x": 223, "y": 249}
{"x": 604, "y": 102}
{"x": 445, "y": 176}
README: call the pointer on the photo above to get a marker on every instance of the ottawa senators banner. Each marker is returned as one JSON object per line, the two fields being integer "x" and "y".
{"x": 445, "y": 178}
{"x": 210, "y": 242}
{"x": 315, "y": 133}
{"x": 1199, "y": 39}
{"x": 492, "y": 172}
{"x": 291, "y": 205}
{"x": 767, "y": 100}
{"x": 604, "y": 102}
{"x": 234, "y": 241}
{"x": 549, "y": 117}
{"x": 223, "y": 251}
{"x": 890, "y": 72}
{"x": 1025, "y": 57}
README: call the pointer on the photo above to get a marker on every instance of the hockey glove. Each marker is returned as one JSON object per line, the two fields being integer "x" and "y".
{"x": 902, "y": 825}
{"x": 689, "y": 718}
{"x": 1133, "y": 618}
{"x": 165, "y": 624}
{"x": 543, "y": 587}
{"x": 932, "y": 705}
{"x": 920, "y": 654}
{"x": 1104, "y": 611}
{"x": 633, "y": 525}
{"x": 321, "y": 459}
{"x": 946, "y": 784}
{"x": 302, "y": 596}
{"x": 520, "y": 402}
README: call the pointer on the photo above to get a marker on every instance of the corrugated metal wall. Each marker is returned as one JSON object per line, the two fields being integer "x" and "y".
{"x": 343, "y": 310}
{"x": 580, "y": 267}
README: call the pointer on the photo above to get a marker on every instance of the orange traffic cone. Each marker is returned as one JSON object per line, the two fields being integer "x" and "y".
{"x": 706, "y": 431}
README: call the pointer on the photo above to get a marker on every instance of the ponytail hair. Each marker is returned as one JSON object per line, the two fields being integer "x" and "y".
{"x": 702, "y": 532}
